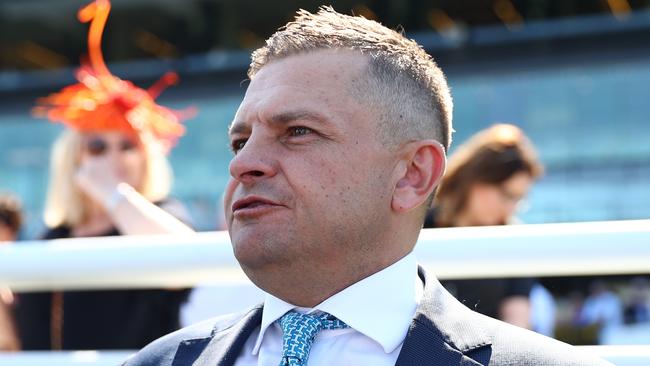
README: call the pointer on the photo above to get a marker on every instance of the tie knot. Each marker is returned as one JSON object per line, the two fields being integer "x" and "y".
{"x": 299, "y": 331}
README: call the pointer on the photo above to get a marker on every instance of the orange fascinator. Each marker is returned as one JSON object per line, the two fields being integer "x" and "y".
{"x": 102, "y": 101}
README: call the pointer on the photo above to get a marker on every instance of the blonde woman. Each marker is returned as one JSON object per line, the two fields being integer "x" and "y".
{"x": 106, "y": 180}
{"x": 109, "y": 176}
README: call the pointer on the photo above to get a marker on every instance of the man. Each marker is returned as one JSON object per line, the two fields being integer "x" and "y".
{"x": 339, "y": 144}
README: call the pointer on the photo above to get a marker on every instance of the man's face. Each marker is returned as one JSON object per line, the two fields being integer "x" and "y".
{"x": 310, "y": 182}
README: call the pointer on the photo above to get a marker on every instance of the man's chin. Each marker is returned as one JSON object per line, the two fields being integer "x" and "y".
{"x": 253, "y": 254}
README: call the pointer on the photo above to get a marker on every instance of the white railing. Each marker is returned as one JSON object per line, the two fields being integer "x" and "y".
{"x": 596, "y": 248}
{"x": 616, "y": 247}
{"x": 622, "y": 355}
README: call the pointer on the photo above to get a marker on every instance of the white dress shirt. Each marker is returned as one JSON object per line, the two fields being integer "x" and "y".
{"x": 378, "y": 309}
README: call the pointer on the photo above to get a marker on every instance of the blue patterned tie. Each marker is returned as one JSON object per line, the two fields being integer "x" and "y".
{"x": 299, "y": 332}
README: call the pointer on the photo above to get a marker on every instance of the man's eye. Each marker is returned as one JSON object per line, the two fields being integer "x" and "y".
{"x": 237, "y": 145}
{"x": 300, "y": 131}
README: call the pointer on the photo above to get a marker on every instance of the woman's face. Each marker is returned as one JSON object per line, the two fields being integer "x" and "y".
{"x": 496, "y": 204}
{"x": 120, "y": 154}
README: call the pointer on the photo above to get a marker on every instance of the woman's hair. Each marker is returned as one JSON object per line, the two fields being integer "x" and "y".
{"x": 491, "y": 156}
{"x": 67, "y": 205}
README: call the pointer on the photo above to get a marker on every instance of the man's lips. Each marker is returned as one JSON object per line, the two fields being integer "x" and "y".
{"x": 252, "y": 203}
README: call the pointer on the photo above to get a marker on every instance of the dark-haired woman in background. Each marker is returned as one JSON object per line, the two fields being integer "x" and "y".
{"x": 487, "y": 178}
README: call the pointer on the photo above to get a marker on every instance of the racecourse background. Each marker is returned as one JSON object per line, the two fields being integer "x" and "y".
{"x": 576, "y": 80}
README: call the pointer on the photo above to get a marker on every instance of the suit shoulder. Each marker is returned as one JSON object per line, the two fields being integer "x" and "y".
{"x": 161, "y": 352}
{"x": 512, "y": 345}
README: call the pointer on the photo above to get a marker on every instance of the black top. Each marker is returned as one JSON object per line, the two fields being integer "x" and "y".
{"x": 106, "y": 319}
{"x": 483, "y": 295}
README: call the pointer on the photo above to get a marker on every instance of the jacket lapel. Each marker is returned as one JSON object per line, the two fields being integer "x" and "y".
{"x": 224, "y": 345}
{"x": 444, "y": 332}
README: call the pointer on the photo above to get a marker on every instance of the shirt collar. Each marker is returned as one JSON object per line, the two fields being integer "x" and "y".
{"x": 382, "y": 295}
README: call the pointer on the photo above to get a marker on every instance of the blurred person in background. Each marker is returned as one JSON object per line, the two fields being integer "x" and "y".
{"x": 602, "y": 308}
{"x": 637, "y": 306}
{"x": 11, "y": 220}
{"x": 109, "y": 176}
{"x": 486, "y": 180}
{"x": 11, "y": 217}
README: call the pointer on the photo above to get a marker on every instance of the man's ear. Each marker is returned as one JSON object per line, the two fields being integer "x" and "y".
{"x": 419, "y": 172}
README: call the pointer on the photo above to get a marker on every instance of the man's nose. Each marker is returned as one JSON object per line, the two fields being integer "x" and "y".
{"x": 253, "y": 161}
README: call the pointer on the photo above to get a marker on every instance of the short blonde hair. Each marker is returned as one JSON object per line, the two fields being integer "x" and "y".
{"x": 402, "y": 82}
{"x": 67, "y": 205}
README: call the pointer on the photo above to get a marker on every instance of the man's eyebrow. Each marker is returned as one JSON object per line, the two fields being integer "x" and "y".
{"x": 237, "y": 127}
{"x": 290, "y": 116}
{"x": 282, "y": 118}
